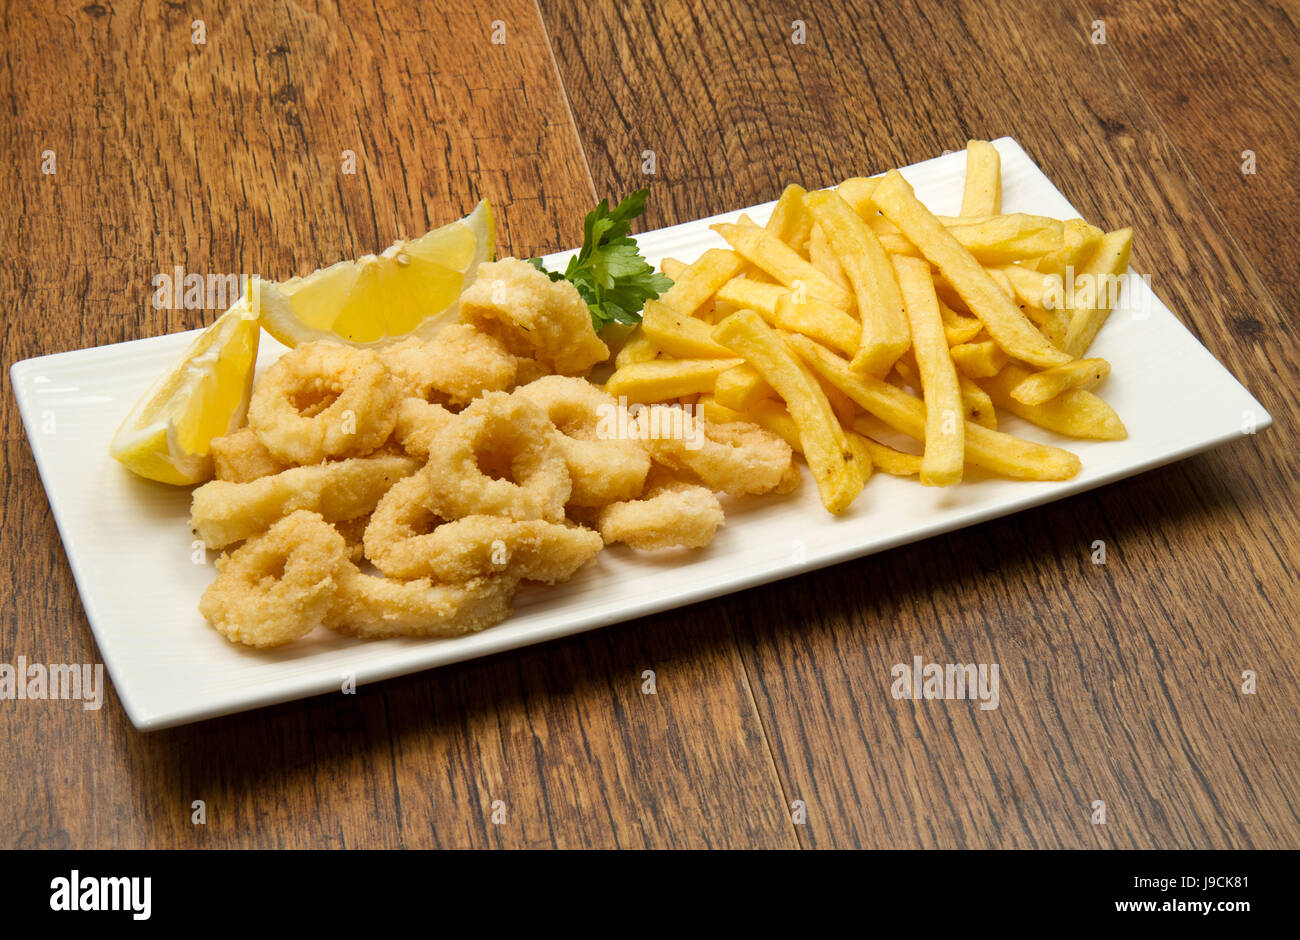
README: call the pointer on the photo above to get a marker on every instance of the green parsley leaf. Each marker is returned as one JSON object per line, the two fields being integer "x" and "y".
{"x": 609, "y": 271}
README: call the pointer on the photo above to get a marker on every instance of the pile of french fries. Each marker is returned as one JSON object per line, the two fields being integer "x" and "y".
{"x": 856, "y": 315}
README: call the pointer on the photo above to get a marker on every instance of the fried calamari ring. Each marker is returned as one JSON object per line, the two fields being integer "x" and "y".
{"x": 278, "y": 586}
{"x": 369, "y": 607}
{"x": 405, "y": 539}
{"x": 408, "y": 361}
{"x": 535, "y": 550}
{"x": 671, "y": 514}
{"x": 530, "y": 370}
{"x": 418, "y": 421}
{"x": 397, "y": 538}
{"x": 324, "y": 400}
{"x": 605, "y": 464}
{"x": 790, "y": 480}
{"x": 501, "y": 456}
{"x": 468, "y": 363}
{"x": 736, "y": 458}
{"x": 239, "y": 457}
{"x": 354, "y": 532}
{"x": 222, "y": 512}
{"x": 454, "y": 367}
{"x": 535, "y": 317}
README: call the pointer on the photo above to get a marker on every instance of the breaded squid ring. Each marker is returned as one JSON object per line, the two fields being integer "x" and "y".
{"x": 736, "y": 458}
{"x": 529, "y": 370}
{"x": 501, "y": 456}
{"x": 396, "y": 538}
{"x": 672, "y": 514}
{"x": 369, "y": 607}
{"x": 278, "y": 586}
{"x": 605, "y": 465}
{"x": 534, "y": 317}
{"x": 535, "y": 550}
{"x": 358, "y": 393}
{"x": 418, "y": 421}
{"x": 405, "y": 539}
{"x": 354, "y": 532}
{"x": 468, "y": 363}
{"x": 239, "y": 457}
{"x": 408, "y": 362}
{"x": 454, "y": 367}
{"x": 221, "y": 512}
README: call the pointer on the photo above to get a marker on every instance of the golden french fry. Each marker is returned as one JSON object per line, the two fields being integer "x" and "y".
{"x": 1046, "y": 385}
{"x": 1074, "y": 413}
{"x": 1004, "y": 321}
{"x": 823, "y": 258}
{"x": 905, "y": 368}
{"x": 841, "y": 404}
{"x": 951, "y": 299}
{"x": 957, "y": 328}
{"x": 1003, "y": 282}
{"x": 1031, "y": 289}
{"x": 716, "y": 310}
{"x": 696, "y": 284}
{"x": 1050, "y": 323}
{"x": 790, "y": 220}
{"x": 784, "y": 263}
{"x": 713, "y": 410}
{"x": 665, "y": 379}
{"x": 882, "y": 226}
{"x": 637, "y": 348}
{"x": 993, "y": 450}
{"x": 983, "y": 192}
{"x": 679, "y": 336}
{"x": 759, "y": 276}
{"x": 1029, "y": 286}
{"x": 1022, "y": 220}
{"x": 1078, "y": 241}
{"x": 944, "y": 412}
{"x": 976, "y": 404}
{"x": 997, "y": 240}
{"x": 885, "y": 458}
{"x": 833, "y": 464}
{"x": 861, "y": 449}
{"x": 822, "y": 322}
{"x": 890, "y": 235}
{"x": 884, "y": 330}
{"x": 857, "y": 192}
{"x": 1096, "y": 286}
{"x": 742, "y": 388}
{"x": 979, "y": 360}
{"x": 672, "y": 267}
{"x": 746, "y": 293}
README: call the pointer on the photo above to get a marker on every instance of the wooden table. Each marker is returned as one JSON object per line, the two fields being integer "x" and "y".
{"x": 1120, "y": 683}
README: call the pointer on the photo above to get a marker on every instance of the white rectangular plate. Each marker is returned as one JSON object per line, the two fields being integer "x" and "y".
{"x": 129, "y": 543}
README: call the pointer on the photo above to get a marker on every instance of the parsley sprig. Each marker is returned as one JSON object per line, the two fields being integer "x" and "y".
{"x": 609, "y": 271}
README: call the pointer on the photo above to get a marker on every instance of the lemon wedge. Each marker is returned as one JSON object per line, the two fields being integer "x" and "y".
{"x": 411, "y": 289}
{"x": 204, "y": 395}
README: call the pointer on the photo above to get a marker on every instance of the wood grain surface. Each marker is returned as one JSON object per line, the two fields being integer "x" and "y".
{"x": 1120, "y": 682}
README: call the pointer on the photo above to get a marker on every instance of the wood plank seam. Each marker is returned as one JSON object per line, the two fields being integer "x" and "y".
{"x": 1229, "y": 234}
{"x": 782, "y": 790}
{"x": 568, "y": 101}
